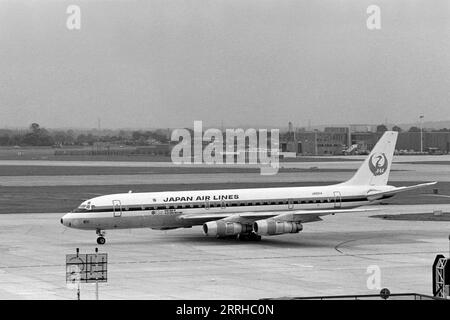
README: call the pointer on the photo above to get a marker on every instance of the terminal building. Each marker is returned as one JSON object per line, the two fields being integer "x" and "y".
{"x": 437, "y": 141}
{"x": 359, "y": 139}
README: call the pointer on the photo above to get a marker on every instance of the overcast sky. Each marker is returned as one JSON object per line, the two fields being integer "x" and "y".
{"x": 167, "y": 63}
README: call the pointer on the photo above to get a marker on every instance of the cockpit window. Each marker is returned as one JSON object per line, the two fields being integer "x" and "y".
{"x": 84, "y": 207}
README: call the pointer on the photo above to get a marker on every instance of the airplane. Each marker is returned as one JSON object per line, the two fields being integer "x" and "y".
{"x": 245, "y": 214}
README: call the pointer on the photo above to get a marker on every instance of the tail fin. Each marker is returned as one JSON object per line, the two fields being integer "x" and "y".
{"x": 375, "y": 169}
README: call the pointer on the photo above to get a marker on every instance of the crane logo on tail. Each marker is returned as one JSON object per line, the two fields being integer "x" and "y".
{"x": 378, "y": 164}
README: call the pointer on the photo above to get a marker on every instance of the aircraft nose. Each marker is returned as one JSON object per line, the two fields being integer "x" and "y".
{"x": 65, "y": 221}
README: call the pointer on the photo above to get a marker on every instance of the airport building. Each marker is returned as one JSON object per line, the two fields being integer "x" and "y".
{"x": 359, "y": 139}
{"x": 432, "y": 141}
{"x": 331, "y": 141}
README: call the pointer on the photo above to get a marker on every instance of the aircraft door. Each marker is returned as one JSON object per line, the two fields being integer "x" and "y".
{"x": 337, "y": 199}
{"x": 290, "y": 204}
{"x": 117, "y": 208}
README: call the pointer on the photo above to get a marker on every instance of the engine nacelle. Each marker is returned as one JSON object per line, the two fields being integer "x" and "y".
{"x": 270, "y": 227}
{"x": 224, "y": 228}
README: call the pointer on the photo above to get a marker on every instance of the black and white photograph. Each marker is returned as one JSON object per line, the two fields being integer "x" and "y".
{"x": 241, "y": 151}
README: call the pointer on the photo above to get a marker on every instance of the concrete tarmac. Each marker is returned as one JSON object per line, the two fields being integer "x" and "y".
{"x": 340, "y": 255}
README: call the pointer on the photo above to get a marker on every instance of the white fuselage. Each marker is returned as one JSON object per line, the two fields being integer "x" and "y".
{"x": 162, "y": 210}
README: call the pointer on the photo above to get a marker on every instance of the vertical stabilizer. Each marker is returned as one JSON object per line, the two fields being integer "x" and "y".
{"x": 375, "y": 169}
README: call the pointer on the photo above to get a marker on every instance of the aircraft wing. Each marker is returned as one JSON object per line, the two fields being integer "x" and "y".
{"x": 375, "y": 195}
{"x": 303, "y": 216}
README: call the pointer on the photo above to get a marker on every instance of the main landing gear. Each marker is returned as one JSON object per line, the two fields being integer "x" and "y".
{"x": 242, "y": 237}
{"x": 101, "y": 236}
{"x": 249, "y": 236}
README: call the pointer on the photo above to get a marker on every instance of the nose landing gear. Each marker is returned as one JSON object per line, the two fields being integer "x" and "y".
{"x": 101, "y": 236}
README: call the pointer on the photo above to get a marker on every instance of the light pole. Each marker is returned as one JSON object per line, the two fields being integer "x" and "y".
{"x": 315, "y": 142}
{"x": 421, "y": 133}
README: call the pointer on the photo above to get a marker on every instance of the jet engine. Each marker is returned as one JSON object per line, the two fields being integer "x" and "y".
{"x": 270, "y": 227}
{"x": 224, "y": 228}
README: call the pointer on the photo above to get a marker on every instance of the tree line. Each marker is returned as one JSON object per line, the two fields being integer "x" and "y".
{"x": 39, "y": 136}
{"x": 383, "y": 128}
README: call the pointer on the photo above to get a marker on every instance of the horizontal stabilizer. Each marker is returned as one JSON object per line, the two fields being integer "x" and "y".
{"x": 377, "y": 195}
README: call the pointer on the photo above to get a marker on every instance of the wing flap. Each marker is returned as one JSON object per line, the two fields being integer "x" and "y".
{"x": 245, "y": 217}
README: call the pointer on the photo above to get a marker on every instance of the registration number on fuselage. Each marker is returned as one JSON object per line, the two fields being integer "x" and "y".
{"x": 164, "y": 212}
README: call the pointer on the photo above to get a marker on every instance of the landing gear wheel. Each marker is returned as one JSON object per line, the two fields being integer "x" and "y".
{"x": 244, "y": 237}
{"x": 255, "y": 237}
{"x": 101, "y": 236}
{"x": 233, "y": 237}
{"x": 249, "y": 237}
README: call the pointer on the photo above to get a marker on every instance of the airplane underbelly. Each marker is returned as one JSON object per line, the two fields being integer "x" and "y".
{"x": 146, "y": 219}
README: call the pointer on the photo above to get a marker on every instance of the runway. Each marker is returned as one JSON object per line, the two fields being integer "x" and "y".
{"x": 330, "y": 257}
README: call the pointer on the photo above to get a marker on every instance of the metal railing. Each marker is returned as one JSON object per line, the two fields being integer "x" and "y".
{"x": 392, "y": 296}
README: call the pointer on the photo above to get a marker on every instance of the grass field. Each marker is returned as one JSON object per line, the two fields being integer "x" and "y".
{"x": 85, "y": 170}
{"x": 47, "y": 153}
{"x": 444, "y": 163}
{"x": 426, "y": 216}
